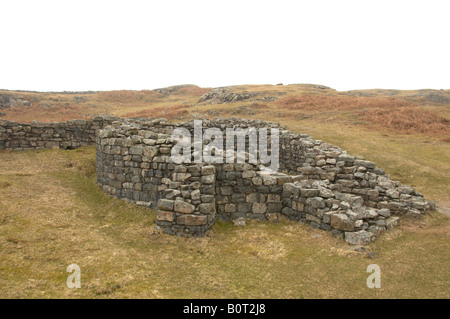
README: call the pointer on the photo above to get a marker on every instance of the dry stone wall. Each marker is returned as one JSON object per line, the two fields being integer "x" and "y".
{"x": 65, "y": 135}
{"x": 317, "y": 183}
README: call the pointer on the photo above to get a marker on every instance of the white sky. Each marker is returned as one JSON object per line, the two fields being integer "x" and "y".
{"x": 107, "y": 45}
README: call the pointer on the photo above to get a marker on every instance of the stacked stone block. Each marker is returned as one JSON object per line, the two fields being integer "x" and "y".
{"x": 133, "y": 163}
{"x": 320, "y": 185}
{"x": 189, "y": 207}
{"x": 248, "y": 191}
{"x": 66, "y": 135}
{"x": 345, "y": 215}
{"x": 317, "y": 160}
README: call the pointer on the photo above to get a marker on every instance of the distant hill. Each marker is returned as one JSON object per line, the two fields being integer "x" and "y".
{"x": 403, "y": 111}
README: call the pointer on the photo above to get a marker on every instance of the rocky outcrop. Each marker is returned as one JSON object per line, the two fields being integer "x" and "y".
{"x": 8, "y": 100}
{"x": 224, "y": 95}
{"x": 437, "y": 98}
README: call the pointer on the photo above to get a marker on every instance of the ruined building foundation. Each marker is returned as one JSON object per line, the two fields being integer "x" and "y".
{"x": 317, "y": 183}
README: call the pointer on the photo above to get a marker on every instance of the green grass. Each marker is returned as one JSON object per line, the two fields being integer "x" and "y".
{"x": 53, "y": 214}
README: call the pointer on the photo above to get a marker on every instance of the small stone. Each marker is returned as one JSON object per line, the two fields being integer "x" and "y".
{"x": 207, "y": 198}
{"x": 165, "y": 204}
{"x": 244, "y": 207}
{"x": 273, "y": 198}
{"x": 391, "y": 222}
{"x": 228, "y": 167}
{"x": 385, "y": 212}
{"x": 310, "y": 192}
{"x": 359, "y": 238}
{"x": 257, "y": 181}
{"x": 165, "y": 215}
{"x": 373, "y": 193}
{"x": 366, "y": 164}
{"x": 313, "y": 218}
{"x": 183, "y": 207}
{"x": 321, "y": 162}
{"x": 226, "y": 191}
{"x": 192, "y": 220}
{"x": 372, "y": 255}
{"x": 269, "y": 180}
{"x": 310, "y": 170}
{"x": 405, "y": 190}
{"x": 259, "y": 208}
{"x": 377, "y": 231}
{"x": 248, "y": 174}
{"x": 392, "y": 193}
{"x": 208, "y": 170}
{"x": 195, "y": 194}
{"x": 359, "y": 175}
{"x": 352, "y": 215}
{"x": 357, "y": 202}
{"x": 371, "y": 214}
{"x": 316, "y": 202}
{"x": 206, "y": 208}
{"x": 148, "y": 141}
{"x": 412, "y": 212}
{"x": 180, "y": 169}
{"x": 208, "y": 179}
{"x": 344, "y": 205}
{"x": 341, "y": 222}
{"x": 273, "y": 217}
{"x": 239, "y": 222}
{"x": 136, "y": 150}
{"x": 230, "y": 208}
{"x": 284, "y": 179}
{"x": 150, "y": 151}
{"x": 326, "y": 193}
{"x": 161, "y": 141}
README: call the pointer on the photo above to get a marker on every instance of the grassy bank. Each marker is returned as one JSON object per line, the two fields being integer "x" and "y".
{"x": 53, "y": 214}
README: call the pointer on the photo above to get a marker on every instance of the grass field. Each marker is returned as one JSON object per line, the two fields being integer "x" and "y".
{"x": 53, "y": 214}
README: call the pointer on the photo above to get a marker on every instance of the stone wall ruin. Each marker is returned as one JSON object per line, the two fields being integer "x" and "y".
{"x": 62, "y": 135}
{"x": 317, "y": 183}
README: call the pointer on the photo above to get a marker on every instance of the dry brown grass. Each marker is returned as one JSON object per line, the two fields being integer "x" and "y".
{"x": 407, "y": 120}
{"x": 54, "y": 113}
{"x": 194, "y": 91}
{"x": 397, "y": 115}
{"x": 52, "y": 214}
{"x": 309, "y": 102}
{"x": 170, "y": 113}
{"x": 259, "y": 106}
{"x": 127, "y": 96}
{"x": 56, "y": 215}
